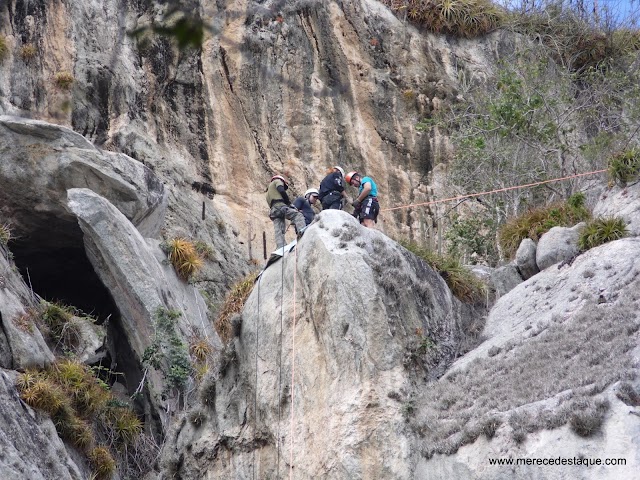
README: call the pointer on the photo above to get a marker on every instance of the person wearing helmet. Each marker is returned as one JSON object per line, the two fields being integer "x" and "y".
{"x": 366, "y": 206}
{"x": 281, "y": 209}
{"x": 303, "y": 204}
{"x": 332, "y": 189}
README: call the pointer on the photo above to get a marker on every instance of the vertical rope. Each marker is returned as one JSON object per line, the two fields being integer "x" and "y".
{"x": 255, "y": 398}
{"x": 280, "y": 367}
{"x": 293, "y": 362}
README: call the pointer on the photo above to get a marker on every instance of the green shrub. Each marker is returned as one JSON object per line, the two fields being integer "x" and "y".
{"x": 462, "y": 18}
{"x": 625, "y": 166}
{"x": 602, "y": 230}
{"x": 462, "y": 283}
{"x": 63, "y": 80}
{"x": 63, "y": 325}
{"x": 535, "y": 222}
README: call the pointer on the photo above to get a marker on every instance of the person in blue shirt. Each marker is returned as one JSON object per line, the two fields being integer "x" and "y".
{"x": 303, "y": 204}
{"x": 366, "y": 206}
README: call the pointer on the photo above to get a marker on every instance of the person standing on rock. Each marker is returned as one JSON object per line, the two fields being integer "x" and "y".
{"x": 303, "y": 204}
{"x": 366, "y": 206}
{"x": 281, "y": 209}
{"x": 332, "y": 190}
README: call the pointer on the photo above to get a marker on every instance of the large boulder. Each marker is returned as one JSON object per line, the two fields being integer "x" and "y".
{"x": 559, "y": 244}
{"x": 622, "y": 202}
{"x": 40, "y": 161}
{"x": 141, "y": 286}
{"x": 526, "y": 259}
{"x": 370, "y": 320}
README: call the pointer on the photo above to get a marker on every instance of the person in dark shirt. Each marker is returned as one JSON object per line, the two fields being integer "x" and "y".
{"x": 332, "y": 190}
{"x": 281, "y": 208}
{"x": 303, "y": 204}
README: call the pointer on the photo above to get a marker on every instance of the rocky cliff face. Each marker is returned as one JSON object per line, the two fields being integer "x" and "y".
{"x": 130, "y": 141}
{"x": 277, "y": 86}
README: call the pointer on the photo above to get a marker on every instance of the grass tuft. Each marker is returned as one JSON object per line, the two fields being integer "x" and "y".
{"x": 600, "y": 231}
{"x": 4, "y": 48}
{"x": 28, "y": 51}
{"x": 233, "y": 304}
{"x": 63, "y": 80}
{"x": 461, "y": 18}
{"x": 534, "y": 223}
{"x": 184, "y": 257}
{"x": 5, "y": 233}
{"x": 102, "y": 462}
{"x": 462, "y": 283}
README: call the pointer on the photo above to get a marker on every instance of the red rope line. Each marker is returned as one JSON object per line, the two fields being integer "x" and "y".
{"x": 471, "y": 195}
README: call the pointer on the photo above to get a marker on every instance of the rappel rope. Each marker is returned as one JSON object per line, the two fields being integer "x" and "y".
{"x": 293, "y": 360}
{"x": 280, "y": 367}
{"x": 255, "y": 398}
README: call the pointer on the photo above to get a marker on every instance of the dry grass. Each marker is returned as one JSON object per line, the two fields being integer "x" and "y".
{"x": 535, "y": 222}
{"x": 184, "y": 257}
{"x": 28, "y": 51}
{"x": 233, "y": 304}
{"x": 102, "y": 462}
{"x": 5, "y": 233}
{"x": 462, "y": 18}
{"x": 570, "y": 362}
{"x": 462, "y": 283}
{"x": 63, "y": 80}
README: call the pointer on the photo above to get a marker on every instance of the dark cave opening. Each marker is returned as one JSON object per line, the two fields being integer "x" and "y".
{"x": 54, "y": 264}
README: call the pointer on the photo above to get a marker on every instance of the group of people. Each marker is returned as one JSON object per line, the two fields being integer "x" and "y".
{"x": 332, "y": 195}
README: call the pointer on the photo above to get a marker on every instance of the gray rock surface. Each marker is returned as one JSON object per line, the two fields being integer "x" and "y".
{"x": 505, "y": 278}
{"x": 573, "y": 330}
{"x": 557, "y": 245}
{"x": 131, "y": 270}
{"x": 361, "y": 344}
{"x": 40, "y": 161}
{"x": 21, "y": 343}
{"x": 526, "y": 259}
{"x": 28, "y": 441}
{"x": 621, "y": 202}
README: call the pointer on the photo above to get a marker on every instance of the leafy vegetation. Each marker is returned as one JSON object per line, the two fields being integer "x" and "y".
{"x": 102, "y": 462}
{"x": 535, "y": 222}
{"x": 462, "y": 283}
{"x": 600, "y": 231}
{"x": 233, "y": 304}
{"x": 625, "y": 166}
{"x": 462, "y": 18}
{"x": 184, "y": 257}
{"x": 168, "y": 353}
{"x": 472, "y": 239}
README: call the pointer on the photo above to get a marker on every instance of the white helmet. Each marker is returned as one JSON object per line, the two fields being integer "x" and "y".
{"x": 311, "y": 191}
{"x": 340, "y": 169}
